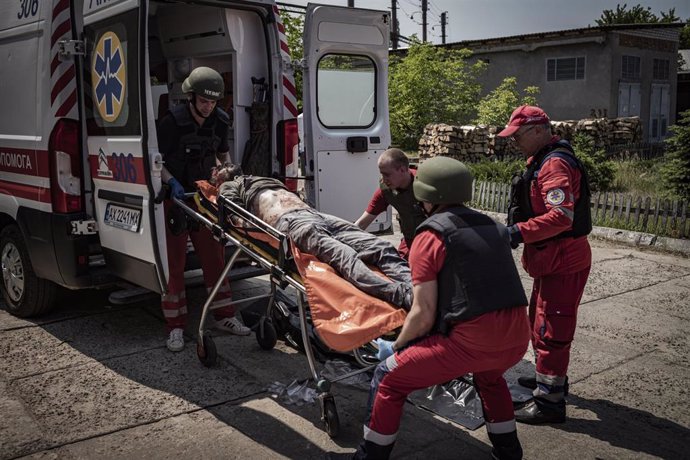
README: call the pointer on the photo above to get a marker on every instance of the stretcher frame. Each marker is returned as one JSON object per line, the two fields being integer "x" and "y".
{"x": 279, "y": 275}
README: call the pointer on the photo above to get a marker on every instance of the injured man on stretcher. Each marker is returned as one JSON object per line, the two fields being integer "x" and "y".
{"x": 341, "y": 244}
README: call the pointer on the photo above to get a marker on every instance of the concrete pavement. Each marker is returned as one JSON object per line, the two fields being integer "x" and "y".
{"x": 92, "y": 380}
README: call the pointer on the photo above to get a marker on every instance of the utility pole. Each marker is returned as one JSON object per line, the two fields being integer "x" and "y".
{"x": 350, "y": 3}
{"x": 424, "y": 8}
{"x": 395, "y": 31}
{"x": 443, "y": 27}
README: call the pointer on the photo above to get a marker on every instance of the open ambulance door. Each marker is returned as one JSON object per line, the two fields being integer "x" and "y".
{"x": 119, "y": 127}
{"x": 345, "y": 107}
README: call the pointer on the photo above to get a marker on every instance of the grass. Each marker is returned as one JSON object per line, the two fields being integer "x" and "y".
{"x": 638, "y": 177}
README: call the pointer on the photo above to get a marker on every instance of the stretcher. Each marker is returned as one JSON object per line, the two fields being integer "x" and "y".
{"x": 345, "y": 318}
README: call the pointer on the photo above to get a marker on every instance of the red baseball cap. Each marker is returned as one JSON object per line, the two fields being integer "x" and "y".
{"x": 524, "y": 115}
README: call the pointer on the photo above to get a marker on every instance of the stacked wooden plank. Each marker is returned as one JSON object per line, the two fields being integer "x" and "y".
{"x": 472, "y": 143}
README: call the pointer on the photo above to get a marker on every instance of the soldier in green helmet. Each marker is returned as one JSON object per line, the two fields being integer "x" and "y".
{"x": 468, "y": 314}
{"x": 193, "y": 139}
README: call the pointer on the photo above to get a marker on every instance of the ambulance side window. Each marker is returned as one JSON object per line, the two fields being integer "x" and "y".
{"x": 111, "y": 83}
{"x": 346, "y": 91}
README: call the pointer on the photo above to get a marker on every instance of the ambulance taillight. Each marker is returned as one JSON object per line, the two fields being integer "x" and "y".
{"x": 288, "y": 145}
{"x": 65, "y": 167}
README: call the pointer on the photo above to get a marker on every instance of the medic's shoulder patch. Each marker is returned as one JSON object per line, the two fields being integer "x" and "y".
{"x": 555, "y": 196}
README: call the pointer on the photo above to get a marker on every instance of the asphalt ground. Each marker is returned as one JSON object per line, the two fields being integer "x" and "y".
{"x": 95, "y": 380}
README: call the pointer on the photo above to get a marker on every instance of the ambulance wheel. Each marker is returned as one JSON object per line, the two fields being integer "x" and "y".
{"x": 330, "y": 417}
{"x": 206, "y": 350}
{"x": 24, "y": 293}
{"x": 266, "y": 334}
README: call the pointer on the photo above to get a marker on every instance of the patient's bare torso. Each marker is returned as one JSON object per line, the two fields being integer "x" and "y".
{"x": 270, "y": 205}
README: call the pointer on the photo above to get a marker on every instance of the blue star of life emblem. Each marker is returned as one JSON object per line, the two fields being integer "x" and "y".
{"x": 108, "y": 76}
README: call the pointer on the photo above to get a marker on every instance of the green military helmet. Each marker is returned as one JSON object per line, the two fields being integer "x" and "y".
{"x": 443, "y": 180}
{"x": 204, "y": 82}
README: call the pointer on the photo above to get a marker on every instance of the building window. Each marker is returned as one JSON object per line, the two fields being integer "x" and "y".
{"x": 660, "y": 69}
{"x": 631, "y": 68}
{"x": 565, "y": 69}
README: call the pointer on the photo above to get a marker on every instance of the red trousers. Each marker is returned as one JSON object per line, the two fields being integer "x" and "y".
{"x": 553, "y": 317}
{"x": 435, "y": 360}
{"x": 212, "y": 258}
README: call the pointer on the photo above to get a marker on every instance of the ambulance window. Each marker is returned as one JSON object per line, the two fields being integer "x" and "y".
{"x": 111, "y": 84}
{"x": 346, "y": 91}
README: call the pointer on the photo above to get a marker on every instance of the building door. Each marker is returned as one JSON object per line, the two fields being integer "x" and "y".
{"x": 659, "y": 109}
{"x": 628, "y": 99}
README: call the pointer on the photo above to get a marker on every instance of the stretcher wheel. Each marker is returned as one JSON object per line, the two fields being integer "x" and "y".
{"x": 329, "y": 416}
{"x": 206, "y": 351}
{"x": 266, "y": 334}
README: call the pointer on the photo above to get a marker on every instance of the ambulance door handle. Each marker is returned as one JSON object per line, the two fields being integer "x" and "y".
{"x": 157, "y": 164}
{"x": 356, "y": 144}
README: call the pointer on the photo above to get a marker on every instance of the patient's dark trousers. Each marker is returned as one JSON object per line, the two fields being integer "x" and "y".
{"x": 349, "y": 250}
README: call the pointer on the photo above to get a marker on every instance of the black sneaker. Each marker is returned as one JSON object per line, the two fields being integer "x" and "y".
{"x": 539, "y": 412}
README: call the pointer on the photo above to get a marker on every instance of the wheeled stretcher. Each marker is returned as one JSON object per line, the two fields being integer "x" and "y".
{"x": 345, "y": 319}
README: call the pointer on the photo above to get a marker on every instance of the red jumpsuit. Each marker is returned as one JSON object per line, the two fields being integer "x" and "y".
{"x": 560, "y": 268}
{"x": 212, "y": 258}
{"x": 486, "y": 346}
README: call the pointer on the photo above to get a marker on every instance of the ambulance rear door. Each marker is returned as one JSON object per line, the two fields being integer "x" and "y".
{"x": 119, "y": 127}
{"x": 345, "y": 107}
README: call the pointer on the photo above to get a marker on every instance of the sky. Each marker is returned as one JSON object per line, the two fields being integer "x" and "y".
{"x": 479, "y": 19}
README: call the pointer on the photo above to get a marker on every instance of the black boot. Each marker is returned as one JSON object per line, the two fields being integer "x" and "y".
{"x": 538, "y": 411}
{"x": 368, "y": 450}
{"x": 531, "y": 383}
{"x": 506, "y": 446}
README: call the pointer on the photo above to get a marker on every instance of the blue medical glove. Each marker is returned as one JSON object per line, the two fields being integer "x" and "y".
{"x": 385, "y": 349}
{"x": 176, "y": 189}
{"x": 515, "y": 236}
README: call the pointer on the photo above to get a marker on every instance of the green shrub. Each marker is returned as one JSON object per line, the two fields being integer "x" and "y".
{"x": 496, "y": 171}
{"x": 676, "y": 170}
{"x": 601, "y": 171}
{"x": 638, "y": 177}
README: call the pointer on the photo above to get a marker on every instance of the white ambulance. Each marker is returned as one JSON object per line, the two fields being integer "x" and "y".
{"x": 82, "y": 84}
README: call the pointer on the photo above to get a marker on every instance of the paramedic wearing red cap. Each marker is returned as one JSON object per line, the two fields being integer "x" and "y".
{"x": 459, "y": 322}
{"x": 550, "y": 214}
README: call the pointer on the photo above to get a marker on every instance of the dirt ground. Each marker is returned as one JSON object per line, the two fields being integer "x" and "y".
{"x": 94, "y": 380}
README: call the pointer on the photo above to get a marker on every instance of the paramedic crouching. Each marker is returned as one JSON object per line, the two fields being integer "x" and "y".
{"x": 193, "y": 139}
{"x": 332, "y": 240}
{"x": 468, "y": 314}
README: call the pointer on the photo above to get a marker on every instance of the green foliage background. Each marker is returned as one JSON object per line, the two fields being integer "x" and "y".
{"x": 676, "y": 170}
{"x": 495, "y": 108}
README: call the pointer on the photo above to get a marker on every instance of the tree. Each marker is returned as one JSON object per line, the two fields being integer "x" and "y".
{"x": 294, "y": 28}
{"x": 430, "y": 85}
{"x": 676, "y": 170}
{"x": 635, "y": 15}
{"x": 495, "y": 108}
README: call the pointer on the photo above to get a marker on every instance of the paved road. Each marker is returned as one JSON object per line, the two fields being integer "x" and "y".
{"x": 92, "y": 380}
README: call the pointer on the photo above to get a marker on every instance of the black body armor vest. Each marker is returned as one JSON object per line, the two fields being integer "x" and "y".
{"x": 520, "y": 208}
{"x": 410, "y": 214}
{"x": 479, "y": 275}
{"x": 196, "y": 152}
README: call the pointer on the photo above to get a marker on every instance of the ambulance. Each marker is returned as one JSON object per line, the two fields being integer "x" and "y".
{"x": 83, "y": 83}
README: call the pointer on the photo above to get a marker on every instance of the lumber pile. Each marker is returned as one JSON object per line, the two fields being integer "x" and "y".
{"x": 472, "y": 143}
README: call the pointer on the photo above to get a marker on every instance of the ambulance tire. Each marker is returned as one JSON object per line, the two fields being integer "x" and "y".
{"x": 36, "y": 295}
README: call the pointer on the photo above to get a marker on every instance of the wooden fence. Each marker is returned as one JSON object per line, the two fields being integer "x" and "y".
{"x": 616, "y": 210}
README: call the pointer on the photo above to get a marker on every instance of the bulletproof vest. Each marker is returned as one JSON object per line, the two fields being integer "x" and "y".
{"x": 195, "y": 154}
{"x": 520, "y": 208}
{"x": 410, "y": 214}
{"x": 479, "y": 275}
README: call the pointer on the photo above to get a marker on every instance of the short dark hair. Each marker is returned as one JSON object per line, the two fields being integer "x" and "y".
{"x": 396, "y": 157}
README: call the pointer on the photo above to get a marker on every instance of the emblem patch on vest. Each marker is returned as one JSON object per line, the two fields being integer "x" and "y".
{"x": 555, "y": 197}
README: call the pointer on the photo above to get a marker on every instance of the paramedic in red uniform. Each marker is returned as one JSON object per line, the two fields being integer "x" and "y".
{"x": 193, "y": 139}
{"x": 395, "y": 189}
{"x": 550, "y": 214}
{"x": 468, "y": 314}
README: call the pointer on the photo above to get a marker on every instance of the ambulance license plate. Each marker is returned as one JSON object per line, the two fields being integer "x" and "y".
{"x": 122, "y": 217}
